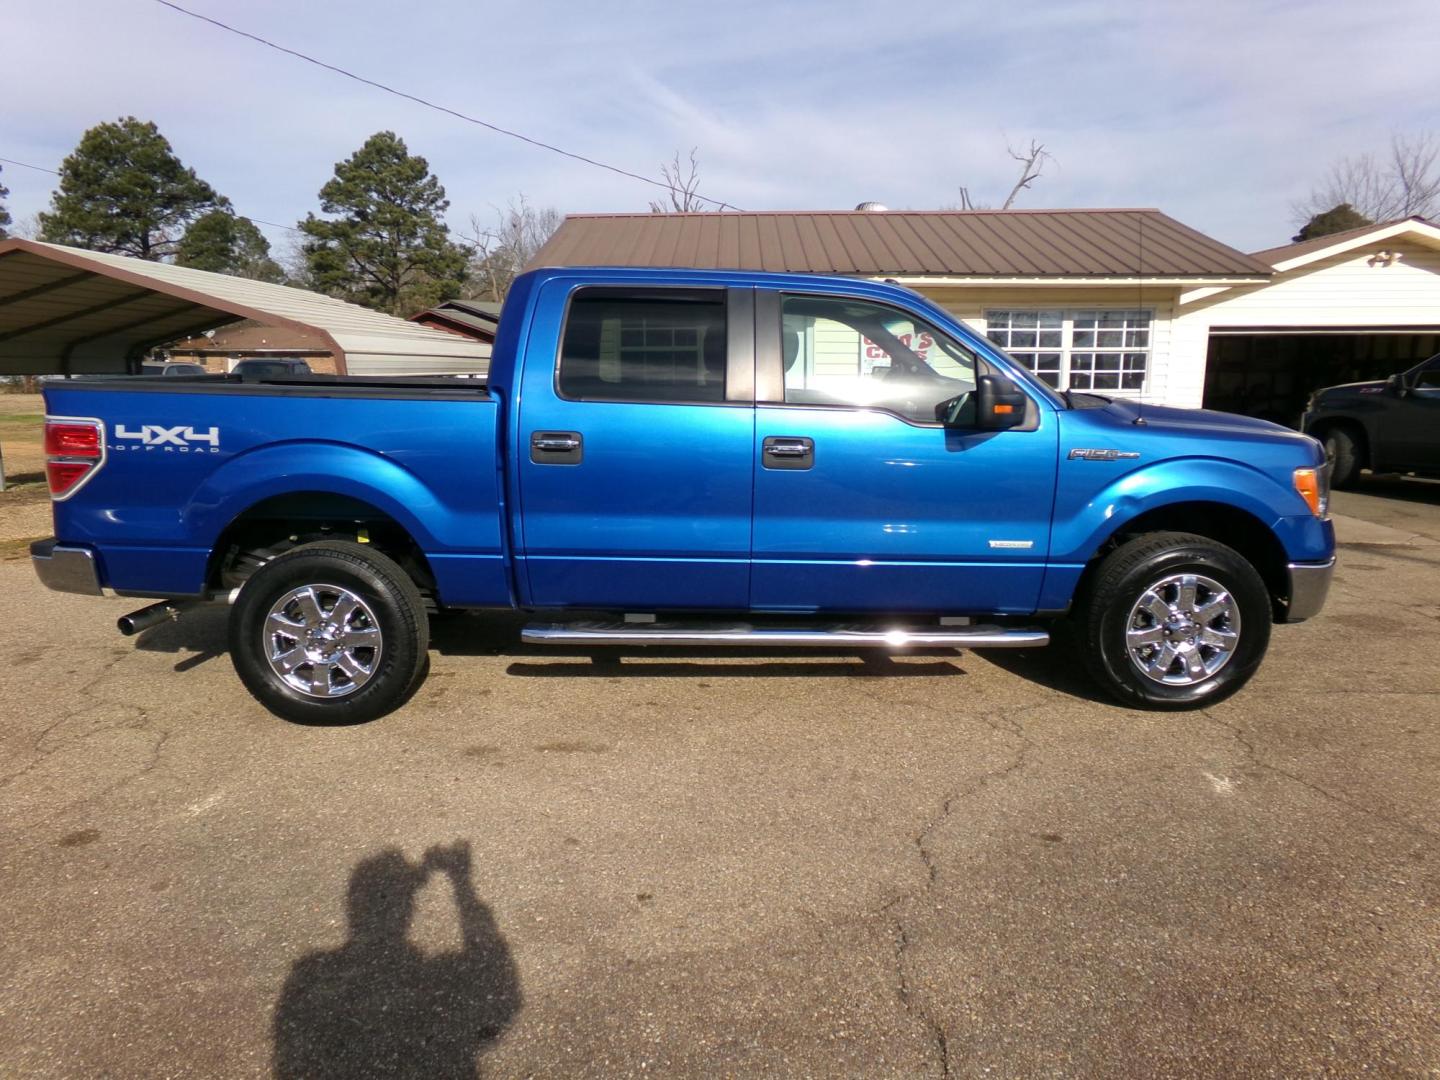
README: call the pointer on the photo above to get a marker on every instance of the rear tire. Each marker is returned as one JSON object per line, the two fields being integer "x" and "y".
{"x": 1173, "y": 621}
{"x": 1344, "y": 457}
{"x": 330, "y": 633}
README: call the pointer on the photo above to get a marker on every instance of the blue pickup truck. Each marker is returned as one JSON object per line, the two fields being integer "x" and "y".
{"x": 664, "y": 457}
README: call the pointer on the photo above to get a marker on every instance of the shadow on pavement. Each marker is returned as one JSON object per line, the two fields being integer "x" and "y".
{"x": 1054, "y": 667}
{"x": 377, "y": 1005}
{"x": 200, "y": 632}
{"x": 1391, "y": 486}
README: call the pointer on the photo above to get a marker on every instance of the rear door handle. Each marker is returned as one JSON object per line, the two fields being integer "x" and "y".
{"x": 788, "y": 452}
{"x": 557, "y": 447}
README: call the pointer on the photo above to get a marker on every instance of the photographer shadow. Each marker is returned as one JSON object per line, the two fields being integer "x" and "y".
{"x": 377, "y": 1005}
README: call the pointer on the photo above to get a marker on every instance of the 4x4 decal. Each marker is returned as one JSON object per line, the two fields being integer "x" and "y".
{"x": 182, "y": 437}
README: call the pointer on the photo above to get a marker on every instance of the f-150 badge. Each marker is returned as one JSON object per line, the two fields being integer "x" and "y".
{"x": 1102, "y": 455}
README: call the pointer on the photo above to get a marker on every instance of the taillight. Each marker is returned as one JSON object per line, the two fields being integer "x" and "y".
{"x": 69, "y": 438}
{"x": 74, "y": 450}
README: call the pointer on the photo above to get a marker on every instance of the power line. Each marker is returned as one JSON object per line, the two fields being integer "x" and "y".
{"x": 24, "y": 165}
{"x": 54, "y": 172}
{"x": 444, "y": 109}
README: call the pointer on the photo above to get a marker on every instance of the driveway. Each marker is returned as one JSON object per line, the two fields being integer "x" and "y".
{"x": 702, "y": 864}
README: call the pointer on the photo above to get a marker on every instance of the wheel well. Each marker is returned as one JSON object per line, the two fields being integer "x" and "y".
{"x": 1234, "y": 528}
{"x": 1353, "y": 428}
{"x": 275, "y": 525}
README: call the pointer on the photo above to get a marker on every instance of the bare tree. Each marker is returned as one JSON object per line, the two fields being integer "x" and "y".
{"x": 682, "y": 184}
{"x": 1032, "y": 166}
{"x": 503, "y": 249}
{"x": 1402, "y": 183}
{"x": 26, "y": 228}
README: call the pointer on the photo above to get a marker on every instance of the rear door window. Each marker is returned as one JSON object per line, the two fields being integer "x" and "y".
{"x": 655, "y": 347}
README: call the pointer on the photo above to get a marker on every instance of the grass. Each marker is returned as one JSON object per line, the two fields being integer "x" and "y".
{"x": 11, "y": 550}
{"x": 21, "y": 427}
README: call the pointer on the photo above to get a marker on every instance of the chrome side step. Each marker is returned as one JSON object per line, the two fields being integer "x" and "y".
{"x": 744, "y": 634}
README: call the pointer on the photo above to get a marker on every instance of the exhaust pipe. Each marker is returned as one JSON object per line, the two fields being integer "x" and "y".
{"x": 154, "y": 615}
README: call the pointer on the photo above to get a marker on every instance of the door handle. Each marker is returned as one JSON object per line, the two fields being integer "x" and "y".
{"x": 789, "y": 452}
{"x": 557, "y": 447}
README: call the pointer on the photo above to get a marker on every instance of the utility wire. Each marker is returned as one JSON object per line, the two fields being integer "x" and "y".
{"x": 23, "y": 165}
{"x": 442, "y": 108}
{"x": 53, "y": 172}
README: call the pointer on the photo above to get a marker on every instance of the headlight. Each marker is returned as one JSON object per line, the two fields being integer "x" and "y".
{"x": 1313, "y": 485}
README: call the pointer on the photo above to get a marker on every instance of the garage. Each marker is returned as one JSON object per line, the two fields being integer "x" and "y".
{"x": 1357, "y": 305}
{"x": 1270, "y": 374}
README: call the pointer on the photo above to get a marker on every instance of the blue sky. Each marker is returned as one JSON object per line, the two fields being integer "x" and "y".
{"x": 1220, "y": 113}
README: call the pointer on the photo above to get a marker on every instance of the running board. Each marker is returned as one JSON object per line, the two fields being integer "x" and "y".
{"x": 744, "y": 634}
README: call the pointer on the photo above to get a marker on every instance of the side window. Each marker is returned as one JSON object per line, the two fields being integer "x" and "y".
{"x": 1427, "y": 379}
{"x": 850, "y": 352}
{"x": 644, "y": 347}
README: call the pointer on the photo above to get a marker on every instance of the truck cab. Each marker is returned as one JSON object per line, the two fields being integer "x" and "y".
{"x": 1392, "y": 425}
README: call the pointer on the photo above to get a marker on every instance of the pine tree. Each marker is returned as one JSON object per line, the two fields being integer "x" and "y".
{"x": 124, "y": 190}
{"x": 1336, "y": 219}
{"x": 387, "y": 245}
{"x": 221, "y": 242}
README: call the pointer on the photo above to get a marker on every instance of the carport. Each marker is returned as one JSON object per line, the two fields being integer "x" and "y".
{"x": 68, "y": 311}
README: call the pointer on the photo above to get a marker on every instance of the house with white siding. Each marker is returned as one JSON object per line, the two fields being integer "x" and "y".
{"x": 1356, "y": 305}
{"x": 1129, "y": 303}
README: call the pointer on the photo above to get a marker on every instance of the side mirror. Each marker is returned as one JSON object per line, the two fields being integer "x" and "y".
{"x": 1395, "y": 384}
{"x": 1000, "y": 403}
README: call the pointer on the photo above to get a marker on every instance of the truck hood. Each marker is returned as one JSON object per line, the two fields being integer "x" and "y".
{"x": 1347, "y": 390}
{"x": 1199, "y": 421}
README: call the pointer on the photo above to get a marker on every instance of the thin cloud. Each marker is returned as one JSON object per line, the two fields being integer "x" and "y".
{"x": 1220, "y": 114}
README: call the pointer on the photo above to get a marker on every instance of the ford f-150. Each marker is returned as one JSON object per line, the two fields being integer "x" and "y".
{"x": 663, "y": 457}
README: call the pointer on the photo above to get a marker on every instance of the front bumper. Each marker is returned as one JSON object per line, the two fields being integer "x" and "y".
{"x": 65, "y": 568}
{"x": 1309, "y": 586}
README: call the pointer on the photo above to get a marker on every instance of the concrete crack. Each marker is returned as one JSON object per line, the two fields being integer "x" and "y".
{"x": 128, "y": 716}
{"x": 1013, "y": 730}
{"x": 1324, "y": 793}
{"x": 915, "y": 1008}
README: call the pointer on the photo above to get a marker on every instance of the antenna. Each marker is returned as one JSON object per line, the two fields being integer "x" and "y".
{"x": 1140, "y": 306}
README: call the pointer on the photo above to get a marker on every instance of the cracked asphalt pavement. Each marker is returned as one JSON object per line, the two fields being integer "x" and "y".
{"x": 702, "y": 863}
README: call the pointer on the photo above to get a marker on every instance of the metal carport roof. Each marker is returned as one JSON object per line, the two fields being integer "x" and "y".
{"x": 67, "y": 310}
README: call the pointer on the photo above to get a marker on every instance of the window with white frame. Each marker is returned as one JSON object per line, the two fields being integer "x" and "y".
{"x": 1086, "y": 349}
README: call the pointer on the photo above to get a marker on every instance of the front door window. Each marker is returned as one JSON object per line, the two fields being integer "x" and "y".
{"x": 855, "y": 353}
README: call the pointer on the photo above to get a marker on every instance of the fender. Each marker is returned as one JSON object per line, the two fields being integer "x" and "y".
{"x": 298, "y": 466}
{"x": 1080, "y": 529}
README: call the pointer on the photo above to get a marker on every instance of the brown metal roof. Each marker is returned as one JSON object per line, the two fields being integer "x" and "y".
{"x": 939, "y": 243}
{"x": 1286, "y": 252}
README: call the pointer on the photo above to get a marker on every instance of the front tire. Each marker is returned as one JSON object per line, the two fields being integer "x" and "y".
{"x": 1344, "y": 457}
{"x": 1173, "y": 621}
{"x": 330, "y": 633}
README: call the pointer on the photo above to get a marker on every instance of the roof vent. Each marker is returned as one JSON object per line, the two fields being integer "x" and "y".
{"x": 872, "y": 207}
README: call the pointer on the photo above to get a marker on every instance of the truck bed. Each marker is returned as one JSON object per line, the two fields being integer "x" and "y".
{"x": 186, "y": 458}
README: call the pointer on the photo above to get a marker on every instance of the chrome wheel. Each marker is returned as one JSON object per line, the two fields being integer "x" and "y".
{"x": 1183, "y": 629}
{"x": 322, "y": 640}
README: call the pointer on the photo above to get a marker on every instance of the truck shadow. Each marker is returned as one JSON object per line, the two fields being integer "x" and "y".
{"x": 1392, "y": 486}
{"x": 201, "y": 634}
{"x": 378, "y": 1005}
